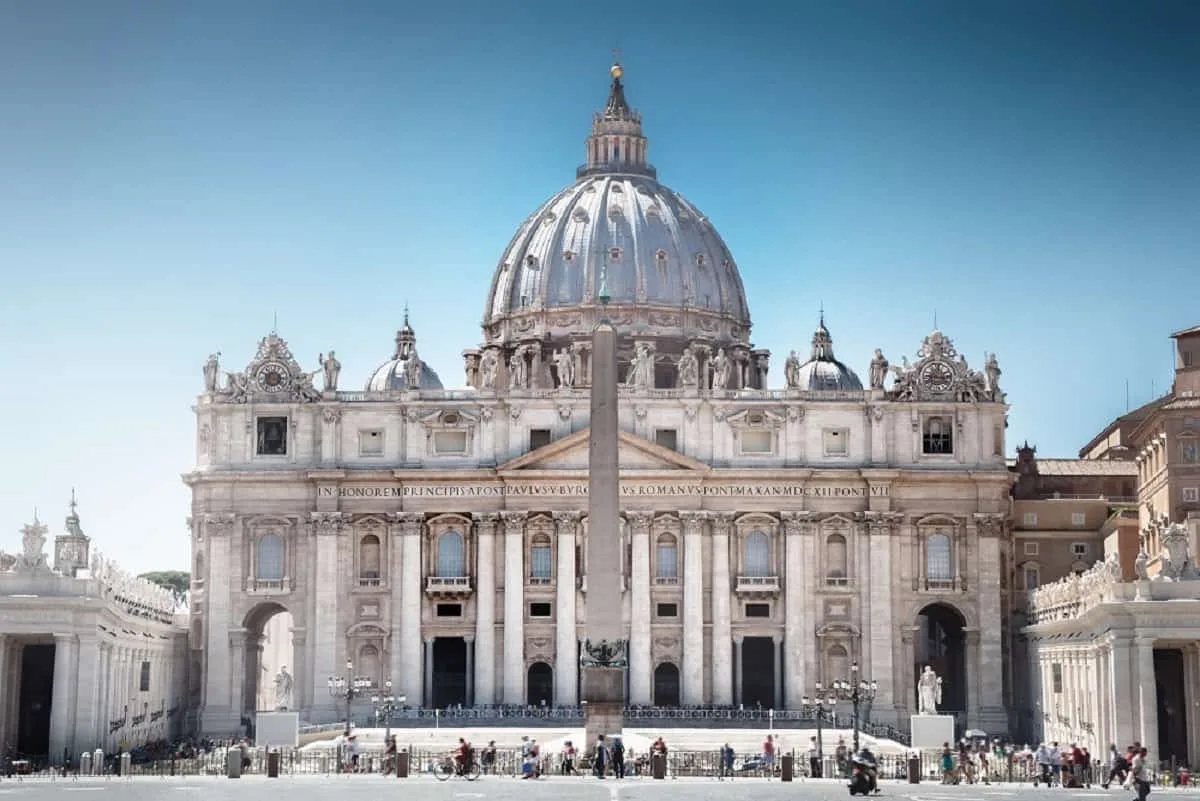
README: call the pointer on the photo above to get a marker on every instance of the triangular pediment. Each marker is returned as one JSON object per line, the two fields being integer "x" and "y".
{"x": 634, "y": 453}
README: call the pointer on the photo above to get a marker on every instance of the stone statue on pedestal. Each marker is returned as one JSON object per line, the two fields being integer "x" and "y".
{"x": 688, "y": 370}
{"x": 412, "y": 370}
{"x": 720, "y": 370}
{"x": 564, "y": 363}
{"x": 641, "y": 369}
{"x": 332, "y": 368}
{"x": 489, "y": 368}
{"x": 283, "y": 689}
{"x": 791, "y": 370}
{"x": 212, "y": 371}
{"x": 929, "y": 692}
{"x": 879, "y": 369}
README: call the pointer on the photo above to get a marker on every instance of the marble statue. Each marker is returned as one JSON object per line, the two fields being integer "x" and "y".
{"x": 992, "y": 369}
{"x": 688, "y": 370}
{"x": 1141, "y": 565}
{"x": 305, "y": 389}
{"x": 929, "y": 692}
{"x": 283, "y": 689}
{"x": 879, "y": 369}
{"x": 720, "y": 370}
{"x": 1175, "y": 561}
{"x": 791, "y": 370}
{"x": 641, "y": 369}
{"x": 518, "y": 370}
{"x": 237, "y": 386}
{"x": 33, "y": 543}
{"x": 212, "y": 370}
{"x": 412, "y": 370}
{"x": 564, "y": 362}
{"x": 332, "y": 368}
{"x": 489, "y": 367}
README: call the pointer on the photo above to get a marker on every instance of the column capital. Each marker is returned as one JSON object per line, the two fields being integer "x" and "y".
{"x": 693, "y": 522}
{"x": 468, "y": 638}
{"x": 738, "y": 638}
{"x": 429, "y": 640}
{"x": 219, "y": 525}
{"x": 328, "y": 524}
{"x": 514, "y": 522}
{"x": 64, "y": 638}
{"x": 796, "y": 523}
{"x": 567, "y": 522}
{"x": 639, "y": 521}
{"x": 410, "y": 522}
{"x": 1141, "y": 641}
{"x": 722, "y": 522}
{"x": 485, "y": 523}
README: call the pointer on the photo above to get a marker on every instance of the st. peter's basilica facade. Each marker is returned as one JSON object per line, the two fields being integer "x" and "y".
{"x": 773, "y": 537}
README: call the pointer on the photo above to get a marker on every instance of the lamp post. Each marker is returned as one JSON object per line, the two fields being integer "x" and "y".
{"x": 349, "y": 688}
{"x": 817, "y": 704}
{"x": 386, "y": 704}
{"x": 856, "y": 691}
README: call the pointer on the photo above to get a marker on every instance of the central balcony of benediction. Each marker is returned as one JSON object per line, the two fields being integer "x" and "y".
{"x": 448, "y": 586}
{"x": 757, "y": 586}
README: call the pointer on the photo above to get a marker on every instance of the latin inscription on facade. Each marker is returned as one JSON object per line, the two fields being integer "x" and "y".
{"x": 580, "y": 490}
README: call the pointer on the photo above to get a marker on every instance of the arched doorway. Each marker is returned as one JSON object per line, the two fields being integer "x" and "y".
{"x": 539, "y": 689}
{"x": 269, "y": 627}
{"x": 941, "y": 643}
{"x": 666, "y": 685}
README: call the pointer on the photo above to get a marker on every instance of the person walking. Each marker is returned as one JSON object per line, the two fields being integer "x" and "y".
{"x": 1140, "y": 775}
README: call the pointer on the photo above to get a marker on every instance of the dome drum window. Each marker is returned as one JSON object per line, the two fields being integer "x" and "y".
{"x": 614, "y": 254}
{"x": 700, "y": 262}
{"x": 531, "y": 261}
{"x": 579, "y": 215}
{"x": 568, "y": 256}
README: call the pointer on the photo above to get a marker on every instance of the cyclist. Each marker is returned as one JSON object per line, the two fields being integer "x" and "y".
{"x": 463, "y": 756}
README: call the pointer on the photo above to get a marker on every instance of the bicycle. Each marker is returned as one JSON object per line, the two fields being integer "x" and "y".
{"x": 446, "y": 768}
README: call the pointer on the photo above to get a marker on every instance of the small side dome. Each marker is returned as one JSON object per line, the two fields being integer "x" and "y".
{"x": 822, "y": 372}
{"x": 405, "y": 370}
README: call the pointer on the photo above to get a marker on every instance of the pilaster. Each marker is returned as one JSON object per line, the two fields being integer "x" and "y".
{"x": 485, "y": 610}
{"x": 880, "y": 528}
{"x": 327, "y": 528}
{"x": 411, "y": 675}
{"x": 218, "y": 716}
{"x": 514, "y": 607}
{"x": 87, "y": 703}
{"x": 722, "y": 611}
{"x": 566, "y": 680}
{"x": 692, "y": 691}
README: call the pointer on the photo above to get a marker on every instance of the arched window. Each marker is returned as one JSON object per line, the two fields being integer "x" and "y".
{"x": 837, "y": 664}
{"x": 837, "y": 567}
{"x": 541, "y": 555}
{"x": 368, "y": 664}
{"x": 938, "y": 565}
{"x": 667, "y": 559}
{"x": 269, "y": 563}
{"x": 938, "y": 436}
{"x": 369, "y": 557}
{"x": 451, "y": 555}
{"x": 757, "y": 555}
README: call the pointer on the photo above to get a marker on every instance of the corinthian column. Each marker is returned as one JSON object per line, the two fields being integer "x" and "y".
{"x": 795, "y": 618}
{"x": 692, "y": 691}
{"x": 722, "y": 612}
{"x": 566, "y": 679}
{"x": 514, "y": 607}
{"x": 324, "y": 636}
{"x": 485, "y": 611}
{"x": 640, "y": 669}
{"x": 411, "y": 675}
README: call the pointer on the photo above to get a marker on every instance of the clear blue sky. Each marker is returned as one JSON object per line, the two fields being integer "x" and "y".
{"x": 174, "y": 174}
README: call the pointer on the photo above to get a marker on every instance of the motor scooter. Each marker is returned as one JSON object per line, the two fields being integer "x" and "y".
{"x": 863, "y": 774}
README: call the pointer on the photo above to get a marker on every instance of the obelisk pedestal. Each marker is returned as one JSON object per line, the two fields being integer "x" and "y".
{"x": 604, "y": 659}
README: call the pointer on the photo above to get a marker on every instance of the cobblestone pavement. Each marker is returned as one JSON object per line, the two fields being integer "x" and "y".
{"x": 352, "y": 788}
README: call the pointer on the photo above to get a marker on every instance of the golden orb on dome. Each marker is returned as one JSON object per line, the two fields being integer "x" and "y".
{"x": 617, "y": 71}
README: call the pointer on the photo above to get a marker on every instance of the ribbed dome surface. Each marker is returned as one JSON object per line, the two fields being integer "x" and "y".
{"x": 827, "y": 375}
{"x": 390, "y": 376}
{"x": 656, "y": 248}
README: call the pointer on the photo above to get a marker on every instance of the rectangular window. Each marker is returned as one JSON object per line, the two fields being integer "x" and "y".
{"x": 938, "y": 438}
{"x": 1031, "y": 549}
{"x": 1191, "y": 494}
{"x": 666, "y": 438}
{"x": 757, "y": 442}
{"x": 758, "y": 610}
{"x": 836, "y": 441}
{"x": 1187, "y": 358}
{"x": 1030, "y": 520}
{"x": 538, "y": 438}
{"x": 1189, "y": 450}
{"x": 1031, "y": 578}
{"x": 667, "y": 610}
{"x": 272, "y": 436}
{"x": 1056, "y": 677}
{"x": 540, "y": 564}
{"x": 1078, "y": 519}
{"x": 540, "y": 609}
{"x": 144, "y": 679}
{"x": 449, "y": 610}
{"x": 449, "y": 442}
{"x": 370, "y": 443}
{"x": 1079, "y": 549}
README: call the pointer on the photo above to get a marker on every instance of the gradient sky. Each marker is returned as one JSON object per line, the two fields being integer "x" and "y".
{"x": 173, "y": 175}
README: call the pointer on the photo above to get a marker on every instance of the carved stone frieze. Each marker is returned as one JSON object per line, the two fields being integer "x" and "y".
{"x": 331, "y": 414}
{"x": 219, "y": 525}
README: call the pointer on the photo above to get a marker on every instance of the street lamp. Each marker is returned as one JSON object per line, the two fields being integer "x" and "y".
{"x": 856, "y": 691}
{"x": 349, "y": 688}
{"x": 387, "y": 704}
{"x": 817, "y": 704}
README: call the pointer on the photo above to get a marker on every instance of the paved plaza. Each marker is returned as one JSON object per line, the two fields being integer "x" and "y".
{"x": 351, "y": 788}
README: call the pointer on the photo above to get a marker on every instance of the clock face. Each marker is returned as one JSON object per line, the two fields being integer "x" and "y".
{"x": 937, "y": 377}
{"x": 273, "y": 377}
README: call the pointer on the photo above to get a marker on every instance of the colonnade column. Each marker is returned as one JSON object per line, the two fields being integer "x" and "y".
{"x": 722, "y": 612}
{"x": 1147, "y": 696}
{"x": 514, "y": 607}
{"x": 62, "y": 704}
{"x": 1120, "y": 692}
{"x": 485, "y": 610}
{"x": 301, "y": 682}
{"x": 394, "y": 554}
{"x": 640, "y": 668}
{"x": 413, "y": 682}
{"x": 87, "y": 700}
{"x": 327, "y": 530}
{"x": 566, "y": 663}
{"x": 692, "y": 691}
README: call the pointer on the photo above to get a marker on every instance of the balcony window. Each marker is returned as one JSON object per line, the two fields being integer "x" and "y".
{"x": 938, "y": 565}
{"x": 757, "y": 555}
{"x": 269, "y": 562}
{"x": 451, "y": 555}
{"x": 541, "y": 556}
{"x": 667, "y": 561}
{"x": 836, "y": 560}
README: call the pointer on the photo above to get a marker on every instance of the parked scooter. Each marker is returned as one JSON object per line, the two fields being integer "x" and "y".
{"x": 864, "y": 773}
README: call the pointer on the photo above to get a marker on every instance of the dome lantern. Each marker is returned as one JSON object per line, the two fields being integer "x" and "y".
{"x": 617, "y": 144}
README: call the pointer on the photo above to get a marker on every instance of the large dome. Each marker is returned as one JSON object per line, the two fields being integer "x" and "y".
{"x": 654, "y": 247}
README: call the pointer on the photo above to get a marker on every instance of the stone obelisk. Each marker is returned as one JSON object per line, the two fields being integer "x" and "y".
{"x": 603, "y": 660}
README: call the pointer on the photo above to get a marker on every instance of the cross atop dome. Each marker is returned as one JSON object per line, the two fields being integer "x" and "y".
{"x": 617, "y": 145}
